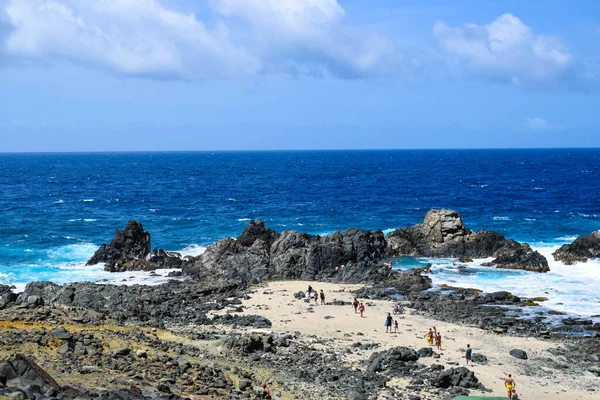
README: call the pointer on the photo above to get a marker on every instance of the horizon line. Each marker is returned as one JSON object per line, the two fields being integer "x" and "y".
{"x": 286, "y": 150}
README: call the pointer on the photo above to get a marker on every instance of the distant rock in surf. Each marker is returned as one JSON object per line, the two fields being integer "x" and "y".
{"x": 443, "y": 234}
{"x": 582, "y": 249}
{"x": 129, "y": 250}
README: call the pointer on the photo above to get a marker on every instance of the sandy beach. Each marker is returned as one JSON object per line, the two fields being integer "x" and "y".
{"x": 342, "y": 327}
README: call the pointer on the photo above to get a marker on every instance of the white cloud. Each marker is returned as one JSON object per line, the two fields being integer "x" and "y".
{"x": 310, "y": 36}
{"x": 139, "y": 37}
{"x": 507, "y": 50}
{"x": 143, "y": 37}
{"x": 538, "y": 124}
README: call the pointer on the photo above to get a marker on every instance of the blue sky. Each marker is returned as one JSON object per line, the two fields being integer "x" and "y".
{"x": 138, "y": 75}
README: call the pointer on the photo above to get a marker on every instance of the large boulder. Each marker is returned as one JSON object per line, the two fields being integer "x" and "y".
{"x": 159, "y": 258}
{"x": 456, "y": 377}
{"x": 514, "y": 255}
{"x": 125, "y": 250}
{"x": 582, "y": 249}
{"x": 397, "y": 361}
{"x": 21, "y": 372}
{"x": 7, "y": 297}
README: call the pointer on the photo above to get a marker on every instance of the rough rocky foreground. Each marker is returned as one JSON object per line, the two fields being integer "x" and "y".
{"x": 261, "y": 253}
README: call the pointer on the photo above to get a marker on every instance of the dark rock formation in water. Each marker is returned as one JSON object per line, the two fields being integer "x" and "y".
{"x": 129, "y": 250}
{"x": 582, "y": 249}
{"x": 125, "y": 250}
{"x": 443, "y": 234}
{"x": 261, "y": 254}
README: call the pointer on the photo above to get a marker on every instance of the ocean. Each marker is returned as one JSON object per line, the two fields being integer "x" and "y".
{"x": 58, "y": 208}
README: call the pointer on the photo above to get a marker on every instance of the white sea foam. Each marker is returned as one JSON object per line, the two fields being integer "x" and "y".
{"x": 89, "y": 219}
{"x": 192, "y": 250}
{"x": 569, "y": 288}
{"x": 244, "y": 219}
{"x": 88, "y": 200}
{"x": 231, "y": 199}
{"x": 60, "y": 201}
{"x": 530, "y": 219}
{"x": 501, "y": 218}
{"x": 75, "y": 219}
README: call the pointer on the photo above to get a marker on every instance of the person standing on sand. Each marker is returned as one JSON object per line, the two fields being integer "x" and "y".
{"x": 438, "y": 341}
{"x": 322, "y": 294}
{"x": 388, "y": 323}
{"x": 509, "y": 384}
{"x": 310, "y": 290}
{"x": 355, "y": 305}
{"x": 430, "y": 337}
{"x": 395, "y": 326}
{"x": 469, "y": 355}
{"x": 316, "y": 296}
{"x": 361, "y": 309}
{"x": 434, "y": 333}
{"x": 266, "y": 392}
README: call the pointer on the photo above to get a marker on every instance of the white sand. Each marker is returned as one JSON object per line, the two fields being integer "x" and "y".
{"x": 289, "y": 315}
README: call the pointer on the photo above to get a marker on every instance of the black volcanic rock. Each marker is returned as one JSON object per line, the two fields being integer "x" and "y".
{"x": 130, "y": 244}
{"x": 514, "y": 255}
{"x": 257, "y": 230}
{"x": 7, "y": 297}
{"x": 443, "y": 234}
{"x": 292, "y": 255}
{"x": 582, "y": 249}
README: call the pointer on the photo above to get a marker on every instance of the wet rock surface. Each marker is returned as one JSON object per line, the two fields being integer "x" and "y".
{"x": 582, "y": 249}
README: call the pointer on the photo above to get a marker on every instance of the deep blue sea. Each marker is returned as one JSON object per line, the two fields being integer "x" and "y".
{"x": 57, "y": 208}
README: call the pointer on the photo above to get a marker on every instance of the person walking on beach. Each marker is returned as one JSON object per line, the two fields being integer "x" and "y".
{"x": 430, "y": 337}
{"x": 310, "y": 290}
{"x": 316, "y": 297}
{"x": 388, "y": 323}
{"x": 509, "y": 384}
{"x": 361, "y": 309}
{"x": 266, "y": 392}
{"x": 355, "y": 305}
{"x": 322, "y": 294}
{"x": 438, "y": 341}
{"x": 434, "y": 333}
{"x": 395, "y": 326}
{"x": 469, "y": 355}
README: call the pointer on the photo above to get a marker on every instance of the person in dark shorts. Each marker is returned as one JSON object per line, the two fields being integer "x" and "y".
{"x": 469, "y": 355}
{"x": 266, "y": 392}
{"x": 395, "y": 325}
{"x": 322, "y": 294}
{"x": 355, "y": 305}
{"x": 388, "y": 323}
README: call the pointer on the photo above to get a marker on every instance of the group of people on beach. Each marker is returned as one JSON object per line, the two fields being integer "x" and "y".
{"x": 358, "y": 307}
{"x": 316, "y": 295}
{"x": 434, "y": 336}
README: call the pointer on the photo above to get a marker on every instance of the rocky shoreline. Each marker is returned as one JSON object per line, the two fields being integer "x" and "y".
{"x": 177, "y": 340}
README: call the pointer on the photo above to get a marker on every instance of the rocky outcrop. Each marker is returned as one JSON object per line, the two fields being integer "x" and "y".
{"x": 125, "y": 250}
{"x": 443, "y": 234}
{"x": 129, "y": 250}
{"x": 514, "y": 255}
{"x": 582, "y": 249}
{"x": 292, "y": 255}
{"x": 256, "y": 230}
{"x": 7, "y": 297}
{"x": 173, "y": 302}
